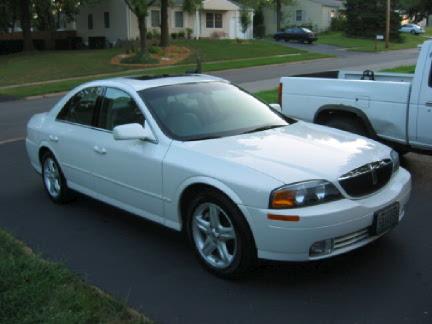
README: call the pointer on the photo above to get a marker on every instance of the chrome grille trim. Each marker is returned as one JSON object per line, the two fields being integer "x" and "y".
{"x": 350, "y": 239}
{"x": 367, "y": 179}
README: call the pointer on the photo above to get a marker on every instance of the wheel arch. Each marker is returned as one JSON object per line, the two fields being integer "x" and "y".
{"x": 194, "y": 185}
{"x": 327, "y": 111}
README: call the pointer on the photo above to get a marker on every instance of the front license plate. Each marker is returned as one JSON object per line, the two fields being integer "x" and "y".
{"x": 386, "y": 219}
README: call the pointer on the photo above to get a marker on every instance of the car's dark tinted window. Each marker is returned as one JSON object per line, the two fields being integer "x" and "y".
{"x": 80, "y": 108}
{"x": 118, "y": 108}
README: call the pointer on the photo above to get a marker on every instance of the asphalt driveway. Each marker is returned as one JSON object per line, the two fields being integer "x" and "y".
{"x": 152, "y": 269}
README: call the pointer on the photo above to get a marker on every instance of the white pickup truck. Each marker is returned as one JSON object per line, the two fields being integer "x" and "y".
{"x": 392, "y": 108}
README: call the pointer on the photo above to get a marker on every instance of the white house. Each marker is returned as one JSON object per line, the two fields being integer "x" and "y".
{"x": 115, "y": 21}
{"x": 315, "y": 13}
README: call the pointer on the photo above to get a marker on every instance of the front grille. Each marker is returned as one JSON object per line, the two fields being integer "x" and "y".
{"x": 367, "y": 179}
{"x": 350, "y": 239}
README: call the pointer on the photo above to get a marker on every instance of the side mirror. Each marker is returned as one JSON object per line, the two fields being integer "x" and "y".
{"x": 276, "y": 107}
{"x": 133, "y": 132}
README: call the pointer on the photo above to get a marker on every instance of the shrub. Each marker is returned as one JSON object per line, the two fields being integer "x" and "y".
{"x": 189, "y": 32}
{"x": 338, "y": 24}
{"x": 181, "y": 35}
{"x": 140, "y": 58}
{"x": 259, "y": 31}
{"x": 156, "y": 50}
{"x": 173, "y": 35}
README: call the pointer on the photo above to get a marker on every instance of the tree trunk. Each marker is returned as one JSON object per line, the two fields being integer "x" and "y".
{"x": 26, "y": 25}
{"x": 143, "y": 34}
{"x": 164, "y": 38}
{"x": 278, "y": 14}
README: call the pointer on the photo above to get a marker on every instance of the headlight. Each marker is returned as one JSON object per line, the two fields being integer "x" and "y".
{"x": 304, "y": 194}
{"x": 395, "y": 160}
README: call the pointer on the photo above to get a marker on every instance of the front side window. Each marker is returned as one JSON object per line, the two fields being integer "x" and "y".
{"x": 118, "y": 108}
{"x": 155, "y": 18}
{"x": 179, "y": 19}
{"x": 80, "y": 109}
{"x": 195, "y": 111}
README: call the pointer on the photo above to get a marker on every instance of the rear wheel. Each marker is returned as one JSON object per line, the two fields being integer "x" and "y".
{"x": 220, "y": 235}
{"x": 348, "y": 124}
{"x": 53, "y": 180}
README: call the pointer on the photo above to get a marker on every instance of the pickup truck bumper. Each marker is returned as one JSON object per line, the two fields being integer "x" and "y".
{"x": 346, "y": 223}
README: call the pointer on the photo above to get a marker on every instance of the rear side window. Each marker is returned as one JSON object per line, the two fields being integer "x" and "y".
{"x": 118, "y": 108}
{"x": 80, "y": 109}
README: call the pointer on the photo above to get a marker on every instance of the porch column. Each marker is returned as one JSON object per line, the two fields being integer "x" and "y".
{"x": 197, "y": 24}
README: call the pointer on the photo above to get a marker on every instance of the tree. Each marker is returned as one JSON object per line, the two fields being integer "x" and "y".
{"x": 244, "y": 20}
{"x": 26, "y": 25}
{"x": 416, "y": 10}
{"x": 140, "y": 9}
{"x": 164, "y": 37}
{"x": 9, "y": 14}
{"x": 367, "y": 18}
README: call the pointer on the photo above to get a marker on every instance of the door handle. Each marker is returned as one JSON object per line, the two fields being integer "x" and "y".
{"x": 53, "y": 138}
{"x": 99, "y": 150}
{"x": 428, "y": 103}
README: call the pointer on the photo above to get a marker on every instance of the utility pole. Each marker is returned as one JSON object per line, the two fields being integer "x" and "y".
{"x": 387, "y": 34}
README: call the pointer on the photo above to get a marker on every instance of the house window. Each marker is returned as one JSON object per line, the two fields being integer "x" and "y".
{"x": 299, "y": 15}
{"x": 178, "y": 19}
{"x": 90, "y": 21}
{"x": 213, "y": 20}
{"x": 107, "y": 19}
{"x": 155, "y": 18}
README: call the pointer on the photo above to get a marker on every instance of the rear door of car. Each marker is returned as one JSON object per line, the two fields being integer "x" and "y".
{"x": 71, "y": 134}
{"x": 127, "y": 172}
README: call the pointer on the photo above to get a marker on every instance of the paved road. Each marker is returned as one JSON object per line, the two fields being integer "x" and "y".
{"x": 153, "y": 269}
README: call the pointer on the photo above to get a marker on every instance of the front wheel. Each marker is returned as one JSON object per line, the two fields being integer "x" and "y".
{"x": 220, "y": 235}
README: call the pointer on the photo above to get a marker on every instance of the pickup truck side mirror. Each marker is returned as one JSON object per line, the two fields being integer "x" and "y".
{"x": 276, "y": 107}
{"x": 133, "y": 132}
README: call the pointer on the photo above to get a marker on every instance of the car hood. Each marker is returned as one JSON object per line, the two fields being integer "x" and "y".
{"x": 296, "y": 152}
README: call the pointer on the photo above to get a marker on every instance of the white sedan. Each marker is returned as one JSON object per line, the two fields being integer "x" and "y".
{"x": 198, "y": 154}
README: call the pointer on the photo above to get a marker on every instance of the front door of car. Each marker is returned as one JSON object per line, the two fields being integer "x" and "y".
{"x": 128, "y": 172}
{"x": 70, "y": 134}
{"x": 424, "y": 120}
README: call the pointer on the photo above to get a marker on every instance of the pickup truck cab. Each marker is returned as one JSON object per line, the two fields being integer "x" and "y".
{"x": 390, "y": 107}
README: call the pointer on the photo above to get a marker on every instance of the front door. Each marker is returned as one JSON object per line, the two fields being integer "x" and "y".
{"x": 129, "y": 172}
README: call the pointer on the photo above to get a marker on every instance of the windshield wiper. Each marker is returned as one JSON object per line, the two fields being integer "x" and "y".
{"x": 262, "y": 128}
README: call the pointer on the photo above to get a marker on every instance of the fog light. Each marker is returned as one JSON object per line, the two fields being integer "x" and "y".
{"x": 321, "y": 248}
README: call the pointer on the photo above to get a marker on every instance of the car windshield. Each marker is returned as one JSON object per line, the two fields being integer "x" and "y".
{"x": 197, "y": 111}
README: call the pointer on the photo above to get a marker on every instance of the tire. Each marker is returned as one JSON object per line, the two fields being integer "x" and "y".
{"x": 54, "y": 181}
{"x": 348, "y": 124}
{"x": 223, "y": 243}
{"x": 413, "y": 32}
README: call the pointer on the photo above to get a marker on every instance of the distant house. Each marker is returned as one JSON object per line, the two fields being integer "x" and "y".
{"x": 113, "y": 20}
{"x": 314, "y": 13}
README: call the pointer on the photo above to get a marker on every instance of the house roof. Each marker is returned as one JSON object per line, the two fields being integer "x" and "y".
{"x": 330, "y": 3}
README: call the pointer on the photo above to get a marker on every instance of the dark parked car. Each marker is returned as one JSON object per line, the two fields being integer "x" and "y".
{"x": 300, "y": 34}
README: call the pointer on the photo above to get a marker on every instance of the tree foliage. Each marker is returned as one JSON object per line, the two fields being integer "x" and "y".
{"x": 417, "y": 10}
{"x": 367, "y": 18}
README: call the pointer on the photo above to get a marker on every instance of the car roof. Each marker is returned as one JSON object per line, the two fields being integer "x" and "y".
{"x": 145, "y": 82}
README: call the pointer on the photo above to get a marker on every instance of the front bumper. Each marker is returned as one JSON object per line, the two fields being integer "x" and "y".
{"x": 340, "y": 220}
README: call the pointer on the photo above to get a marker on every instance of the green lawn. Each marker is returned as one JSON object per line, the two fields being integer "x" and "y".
{"x": 368, "y": 45}
{"x": 54, "y": 65}
{"x": 402, "y": 69}
{"x": 33, "y": 290}
{"x": 269, "y": 96}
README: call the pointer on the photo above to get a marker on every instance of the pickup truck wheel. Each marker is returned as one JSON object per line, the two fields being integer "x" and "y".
{"x": 348, "y": 124}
